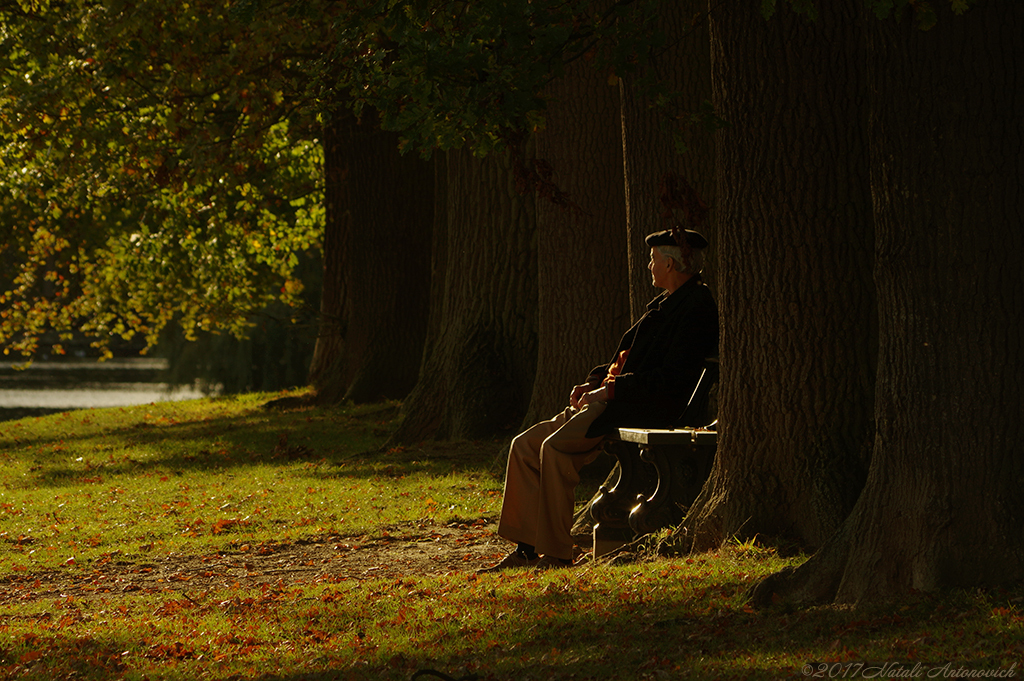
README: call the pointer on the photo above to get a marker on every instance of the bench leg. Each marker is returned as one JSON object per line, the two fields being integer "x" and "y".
{"x": 681, "y": 472}
{"x": 611, "y": 507}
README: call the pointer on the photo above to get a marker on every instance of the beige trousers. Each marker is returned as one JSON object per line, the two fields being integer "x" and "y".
{"x": 540, "y": 483}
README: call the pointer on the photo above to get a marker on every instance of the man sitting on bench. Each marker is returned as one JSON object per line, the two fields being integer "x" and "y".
{"x": 646, "y": 385}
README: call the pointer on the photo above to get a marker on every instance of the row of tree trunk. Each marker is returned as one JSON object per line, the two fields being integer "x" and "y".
{"x": 866, "y": 233}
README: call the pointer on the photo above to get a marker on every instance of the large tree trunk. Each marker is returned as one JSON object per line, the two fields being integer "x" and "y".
{"x": 795, "y": 290}
{"x": 379, "y": 207}
{"x": 942, "y": 505}
{"x": 649, "y": 149}
{"x": 480, "y": 358}
{"x": 583, "y": 307}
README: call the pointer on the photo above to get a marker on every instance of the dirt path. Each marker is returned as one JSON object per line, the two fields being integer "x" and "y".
{"x": 413, "y": 549}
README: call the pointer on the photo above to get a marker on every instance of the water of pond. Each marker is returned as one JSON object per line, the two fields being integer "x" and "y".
{"x": 49, "y": 387}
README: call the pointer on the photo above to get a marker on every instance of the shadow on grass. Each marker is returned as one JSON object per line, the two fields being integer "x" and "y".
{"x": 343, "y": 442}
{"x": 539, "y": 632}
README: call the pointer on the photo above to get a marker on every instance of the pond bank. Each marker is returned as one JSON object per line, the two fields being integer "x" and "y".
{"x": 56, "y": 386}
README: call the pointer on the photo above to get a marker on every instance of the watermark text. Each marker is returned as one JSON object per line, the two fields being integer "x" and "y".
{"x": 903, "y": 670}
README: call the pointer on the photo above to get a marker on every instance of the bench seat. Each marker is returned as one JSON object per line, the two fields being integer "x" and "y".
{"x": 673, "y": 436}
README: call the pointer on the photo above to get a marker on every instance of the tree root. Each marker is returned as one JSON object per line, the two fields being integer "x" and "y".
{"x": 816, "y": 581}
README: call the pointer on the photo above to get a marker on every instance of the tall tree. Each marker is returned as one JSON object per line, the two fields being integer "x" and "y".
{"x": 480, "y": 355}
{"x": 379, "y": 215}
{"x": 663, "y": 99}
{"x": 581, "y": 236}
{"x": 942, "y": 505}
{"x": 795, "y": 292}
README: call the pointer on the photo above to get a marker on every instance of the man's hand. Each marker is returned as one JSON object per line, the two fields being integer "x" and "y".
{"x": 599, "y": 395}
{"x": 578, "y": 392}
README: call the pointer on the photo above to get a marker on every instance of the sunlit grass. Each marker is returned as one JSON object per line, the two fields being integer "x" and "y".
{"x": 199, "y": 476}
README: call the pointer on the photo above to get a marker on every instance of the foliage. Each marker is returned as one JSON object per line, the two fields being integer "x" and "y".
{"x": 449, "y": 74}
{"x": 157, "y": 165}
{"x": 161, "y": 162}
{"x": 924, "y": 14}
{"x": 116, "y": 492}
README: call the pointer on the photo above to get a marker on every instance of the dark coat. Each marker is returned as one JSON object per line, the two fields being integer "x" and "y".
{"x": 667, "y": 348}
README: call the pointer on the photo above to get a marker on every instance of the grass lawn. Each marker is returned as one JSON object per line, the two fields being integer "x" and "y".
{"x": 217, "y": 539}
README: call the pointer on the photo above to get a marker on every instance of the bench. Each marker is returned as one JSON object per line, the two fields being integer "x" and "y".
{"x": 661, "y": 471}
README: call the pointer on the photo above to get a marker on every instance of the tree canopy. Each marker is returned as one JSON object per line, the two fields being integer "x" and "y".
{"x": 163, "y": 160}
{"x": 449, "y": 74}
{"x": 159, "y": 165}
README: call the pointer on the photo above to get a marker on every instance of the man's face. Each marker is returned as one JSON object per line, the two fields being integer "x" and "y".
{"x": 660, "y": 266}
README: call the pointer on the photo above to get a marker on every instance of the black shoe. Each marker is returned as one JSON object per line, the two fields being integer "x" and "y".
{"x": 509, "y": 562}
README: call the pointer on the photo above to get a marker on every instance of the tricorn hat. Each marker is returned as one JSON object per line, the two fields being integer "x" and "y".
{"x": 665, "y": 238}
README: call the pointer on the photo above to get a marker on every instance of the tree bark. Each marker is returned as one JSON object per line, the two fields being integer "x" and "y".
{"x": 649, "y": 150}
{"x": 583, "y": 306}
{"x": 796, "y": 296}
{"x": 942, "y": 505}
{"x": 480, "y": 358}
{"x": 379, "y": 216}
